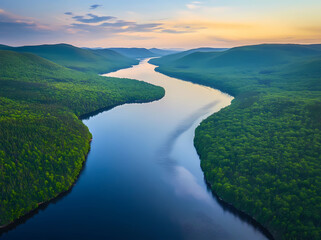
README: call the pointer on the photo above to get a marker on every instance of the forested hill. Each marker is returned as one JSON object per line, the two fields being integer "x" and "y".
{"x": 175, "y": 56}
{"x": 263, "y": 152}
{"x": 43, "y": 144}
{"x": 163, "y": 52}
{"x": 135, "y": 52}
{"x": 85, "y": 60}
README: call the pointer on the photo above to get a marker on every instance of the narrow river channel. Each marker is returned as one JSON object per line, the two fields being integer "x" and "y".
{"x": 142, "y": 178}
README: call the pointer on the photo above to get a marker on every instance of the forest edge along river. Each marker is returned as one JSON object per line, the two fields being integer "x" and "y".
{"x": 142, "y": 178}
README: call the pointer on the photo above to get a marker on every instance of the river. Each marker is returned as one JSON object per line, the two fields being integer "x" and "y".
{"x": 142, "y": 178}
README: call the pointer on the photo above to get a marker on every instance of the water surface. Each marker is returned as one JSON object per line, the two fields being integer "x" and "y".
{"x": 142, "y": 178}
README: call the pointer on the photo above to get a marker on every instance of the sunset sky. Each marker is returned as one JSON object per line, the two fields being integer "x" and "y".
{"x": 161, "y": 23}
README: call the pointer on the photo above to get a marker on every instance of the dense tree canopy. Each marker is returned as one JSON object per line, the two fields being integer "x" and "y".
{"x": 263, "y": 152}
{"x": 85, "y": 60}
{"x": 43, "y": 144}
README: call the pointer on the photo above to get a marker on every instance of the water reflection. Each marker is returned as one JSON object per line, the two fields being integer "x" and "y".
{"x": 186, "y": 184}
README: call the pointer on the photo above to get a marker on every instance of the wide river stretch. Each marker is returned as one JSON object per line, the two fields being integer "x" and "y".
{"x": 142, "y": 178}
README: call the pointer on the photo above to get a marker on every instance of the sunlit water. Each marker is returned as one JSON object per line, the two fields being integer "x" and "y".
{"x": 142, "y": 178}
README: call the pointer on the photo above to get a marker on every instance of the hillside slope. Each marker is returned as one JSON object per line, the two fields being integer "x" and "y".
{"x": 175, "y": 56}
{"x": 162, "y": 52}
{"x": 85, "y": 60}
{"x": 263, "y": 152}
{"x": 43, "y": 143}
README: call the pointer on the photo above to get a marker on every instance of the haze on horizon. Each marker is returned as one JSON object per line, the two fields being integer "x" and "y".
{"x": 164, "y": 24}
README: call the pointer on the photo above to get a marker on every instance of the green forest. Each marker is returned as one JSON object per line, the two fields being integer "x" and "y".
{"x": 43, "y": 142}
{"x": 84, "y": 60}
{"x": 263, "y": 152}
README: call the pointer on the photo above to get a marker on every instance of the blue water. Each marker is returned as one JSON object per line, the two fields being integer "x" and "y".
{"x": 142, "y": 178}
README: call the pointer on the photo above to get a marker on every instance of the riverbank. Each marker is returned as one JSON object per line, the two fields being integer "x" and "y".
{"x": 44, "y": 144}
{"x": 43, "y": 205}
{"x": 250, "y": 150}
{"x": 248, "y": 217}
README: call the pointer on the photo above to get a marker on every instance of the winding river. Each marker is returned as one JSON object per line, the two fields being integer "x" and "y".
{"x": 142, "y": 178}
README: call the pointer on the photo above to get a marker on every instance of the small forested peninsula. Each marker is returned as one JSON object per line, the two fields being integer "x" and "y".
{"x": 262, "y": 153}
{"x": 43, "y": 143}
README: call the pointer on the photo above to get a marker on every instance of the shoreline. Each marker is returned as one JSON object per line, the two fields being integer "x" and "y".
{"x": 43, "y": 205}
{"x": 104, "y": 109}
{"x": 243, "y": 215}
{"x": 226, "y": 205}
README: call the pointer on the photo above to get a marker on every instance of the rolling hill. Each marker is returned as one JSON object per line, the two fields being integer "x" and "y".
{"x": 176, "y": 56}
{"x": 241, "y": 57}
{"x": 162, "y": 52}
{"x": 85, "y": 60}
{"x": 251, "y": 57}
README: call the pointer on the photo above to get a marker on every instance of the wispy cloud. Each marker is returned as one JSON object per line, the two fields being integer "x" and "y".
{"x": 175, "y": 31}
{"x": 119, "y": 26}
{"x": 179, "y": 29}
{"x": 311, "y": 29}
{"x": 14, "y": 27}
{"x": 91, "y": 18}
{"x": 118, "y": 23}
{"x": 108, "y": 25}
{"x": 95, "y": 6}
{"x": 10, "y": 20}
{"x": 194, "y": 5}
{"x": 68, "y": 13}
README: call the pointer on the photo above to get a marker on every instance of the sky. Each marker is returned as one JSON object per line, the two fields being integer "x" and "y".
{"x": 159, "y": 23}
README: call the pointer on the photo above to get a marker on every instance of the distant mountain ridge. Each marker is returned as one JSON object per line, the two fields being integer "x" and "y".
{"x": 264, "y": 55}
{"x": 143, "y": 52}
{"x": 85, "y": 60}
{"x": 178, "y": 55}
{"x": 135, "y": 52}
{"x": 162, "y": 52}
